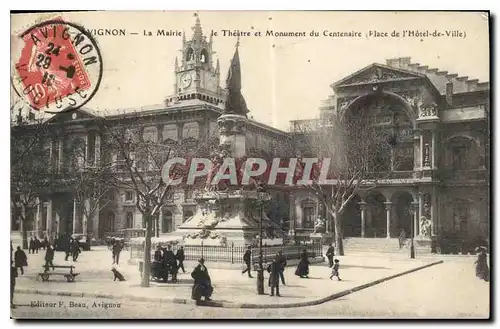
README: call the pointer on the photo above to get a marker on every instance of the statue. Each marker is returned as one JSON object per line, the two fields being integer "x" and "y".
{"x": 319, "y": 226}
{"x": 425, "y": 226}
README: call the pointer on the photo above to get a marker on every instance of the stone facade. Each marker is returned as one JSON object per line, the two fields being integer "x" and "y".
{"x": 442, "y": 121}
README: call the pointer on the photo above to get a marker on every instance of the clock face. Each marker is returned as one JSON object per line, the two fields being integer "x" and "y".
{"x": 186, "y": 80}
{"x": 74, "y": 116}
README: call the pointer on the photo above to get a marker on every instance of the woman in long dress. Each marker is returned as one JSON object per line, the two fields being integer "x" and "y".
{"x": 482, "y": 270}
{"x": 303, "y": 267}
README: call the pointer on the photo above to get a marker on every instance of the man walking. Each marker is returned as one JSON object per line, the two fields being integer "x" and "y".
{"x": 180, "y": 257}
{"x": 13, "y": 276}
{"x": 274, "y": 280}
{"x": 247, "y": 257}
{"x": 281, "y": 260}
{"x": 117, "y": 249}
{"x": 330, "y": 253}
{"x": 20, "y": 259}
{"x": 49, "y": 257}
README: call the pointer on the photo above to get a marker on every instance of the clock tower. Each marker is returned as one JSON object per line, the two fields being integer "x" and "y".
{"x": 195, "y": 76}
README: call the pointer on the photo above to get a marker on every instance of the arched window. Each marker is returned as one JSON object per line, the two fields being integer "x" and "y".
{"x": 204, "y": 56}
{"x": 129, "y": 220}
{"x": 170, "y": 133}
{"x": 167, "y": 222}
{"x": 190, "y": 54}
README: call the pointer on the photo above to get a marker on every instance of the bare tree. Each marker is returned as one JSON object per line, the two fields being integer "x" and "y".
{"x": 139, "y": 160}
{"x": 357, "y": 153}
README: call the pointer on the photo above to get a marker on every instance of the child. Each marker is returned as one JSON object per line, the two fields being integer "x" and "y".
{"x": 335, "y": 270}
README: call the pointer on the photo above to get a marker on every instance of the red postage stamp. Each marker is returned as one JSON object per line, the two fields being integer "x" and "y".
{"x": 59, "y": 66}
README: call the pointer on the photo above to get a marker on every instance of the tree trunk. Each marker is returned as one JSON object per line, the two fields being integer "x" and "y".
{"x": 146, "y": 270}
{"x": 157, "y": 225}
{"x": 338, "y": 233}
{"x": 24, "y": 233}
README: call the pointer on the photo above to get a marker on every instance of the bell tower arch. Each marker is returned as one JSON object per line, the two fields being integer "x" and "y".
{"x": 195, "y": 75}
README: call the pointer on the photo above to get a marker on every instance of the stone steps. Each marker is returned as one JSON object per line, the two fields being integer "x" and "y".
{"x": 378, "y": 245}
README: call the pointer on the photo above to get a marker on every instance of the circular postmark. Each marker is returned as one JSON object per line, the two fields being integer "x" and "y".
{"x": 58, "y": 66}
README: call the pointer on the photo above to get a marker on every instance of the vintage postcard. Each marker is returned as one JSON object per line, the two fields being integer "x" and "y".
{"x": 250, "y": 164}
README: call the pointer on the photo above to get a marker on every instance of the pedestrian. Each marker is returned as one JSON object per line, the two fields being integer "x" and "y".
{"x": 169, "y": 263}
{"x": 117, "y": 249}
{"x": 45, "y": 243}
{"x": 202, "y": 286}
{"x": 31, "y": 246}
{"x": 67, "y": 244}
{"x": 75, "y": 250}
{"x": 274, "y": 270}
{"x": 330, "y": 253}
{"x": 303, "y": 268}
{"x": 37, "y": 244}
{"x": 247, "y": 258}
{"x": 20, "y": 259}
{"x": 335, "y": 270}
{"x": 282, "y": 264}
{"x": 482, "y": 270}
{"x": 13, "y": 276}
{"x": 49, "y": 258}
{"x": 402, "y": 238}
{"x": 180, "y": 257}
{"x": 158, "y": 256}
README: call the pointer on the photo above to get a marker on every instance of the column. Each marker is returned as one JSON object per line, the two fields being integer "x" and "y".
{"x": 415, "y": 220}
{"x": 433, "y": 150}
{"x": 58, "y": 223}
{"x": 160, "y": 222}
{"x": 49, "y": 220}
{"x": 38, "y": 218}
{"x": 388, "y": 207}
{"x": 421, "y": 150}
{"x": 86, "y": 162}
{"x": 85, "y": 219}
{"x": 291, "y": 230}
{"x": 434, "y": 212}
{"x": 51, "y": 156}
{"x": 362, "y": 206}
{"x": 420, "y": 212}
{"x": 74, "y": 215}
{"x": 60, "y": 160}
{"x": 97, "y": 149}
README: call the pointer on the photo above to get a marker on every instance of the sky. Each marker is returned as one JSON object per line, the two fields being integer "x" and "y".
{"x": 283, "y": 78}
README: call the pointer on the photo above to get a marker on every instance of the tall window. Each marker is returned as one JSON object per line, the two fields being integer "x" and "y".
{"x": 308, "y": 213}
{"x": 460, "y": 216}
{"x": 166, "y": 222}
{"x": 190, "y": 130}
{"x": 170, "y": 133}
{"x": 129, "y": 219}
{"x": 110, "y": 222}
{"x": 459, "y": 157}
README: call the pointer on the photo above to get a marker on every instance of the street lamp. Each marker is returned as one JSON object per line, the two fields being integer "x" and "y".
{"x": 414, "y": 208}
{"x": 260, "y": 270}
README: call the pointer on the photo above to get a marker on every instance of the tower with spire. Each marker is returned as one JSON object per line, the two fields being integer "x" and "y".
{"x": 195, "y": 76}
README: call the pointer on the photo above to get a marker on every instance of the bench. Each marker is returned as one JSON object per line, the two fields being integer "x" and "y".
{"x": 70, "y": 277}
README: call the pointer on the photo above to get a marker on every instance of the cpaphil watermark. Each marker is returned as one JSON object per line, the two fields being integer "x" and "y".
{"x": 238, "y": 172}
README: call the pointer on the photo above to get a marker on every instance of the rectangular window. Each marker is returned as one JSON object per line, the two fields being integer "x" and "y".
{"x": 129, "y": 196}
{"x": 309, "y": 214}
{"x": 459, "y": 157}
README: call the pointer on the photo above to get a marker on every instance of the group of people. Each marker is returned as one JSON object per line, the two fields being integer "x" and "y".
{"x": 166, "y": 263}
{"x": 36, "y": 244}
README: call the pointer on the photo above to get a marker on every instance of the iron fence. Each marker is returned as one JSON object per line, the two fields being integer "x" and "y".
{"x": 234, "y": 253}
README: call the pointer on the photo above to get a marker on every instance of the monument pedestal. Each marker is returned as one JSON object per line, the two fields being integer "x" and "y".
{"x": 229, "y": 217}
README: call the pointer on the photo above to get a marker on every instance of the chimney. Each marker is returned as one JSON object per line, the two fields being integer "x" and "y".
{"x": 449, "y": 93}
